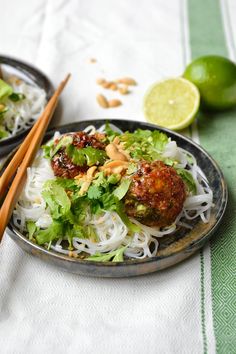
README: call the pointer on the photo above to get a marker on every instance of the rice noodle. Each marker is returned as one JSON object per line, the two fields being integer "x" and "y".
{"x": 111, "y": 232}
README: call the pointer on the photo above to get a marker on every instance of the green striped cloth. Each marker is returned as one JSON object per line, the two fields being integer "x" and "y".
{"x": 210, "y": 30}
{"x": 190, "y": 308}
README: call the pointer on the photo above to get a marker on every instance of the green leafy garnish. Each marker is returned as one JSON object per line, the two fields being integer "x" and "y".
{"x": 122, "y": 189}
{"x": 110, "y": 133}
{"x": 86, "y": 156}
{"x": 47, "y": 150}
{"x": 63, "y": 142}
{"x": 5, "y": 90}
{"x": 94, "y": 192}
{"x": 56, "y": 198}
{"x": 54, "y": 231}
{"x": 3, "y": 132}
{"x": 188, "y": 179}
{"x": 117, "y": 255}
{"x": 132, "y": 168}
{"x": 67, "y": 183}
{"x": 145, "y": 144}
{"x": 31, "y": 228}
{"x": 16, "y": 97}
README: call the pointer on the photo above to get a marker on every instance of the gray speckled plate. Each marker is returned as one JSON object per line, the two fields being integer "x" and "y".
{"x": 173, "y": 248}
{"x": 32, "y": 76}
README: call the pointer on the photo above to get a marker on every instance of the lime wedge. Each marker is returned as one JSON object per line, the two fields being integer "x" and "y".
{"x": 172, "y": 103}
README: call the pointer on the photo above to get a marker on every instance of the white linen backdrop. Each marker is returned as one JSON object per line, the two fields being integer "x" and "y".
{"x": 43, "y": 309}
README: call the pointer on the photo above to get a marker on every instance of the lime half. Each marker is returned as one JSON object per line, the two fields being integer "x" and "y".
{"x": 172, "y": 103}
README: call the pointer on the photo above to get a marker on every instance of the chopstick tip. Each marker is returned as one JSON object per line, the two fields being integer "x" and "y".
{"x": 68, "y": 76}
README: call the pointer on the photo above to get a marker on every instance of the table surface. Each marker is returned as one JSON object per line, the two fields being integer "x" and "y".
{"x": 188, "y": 308}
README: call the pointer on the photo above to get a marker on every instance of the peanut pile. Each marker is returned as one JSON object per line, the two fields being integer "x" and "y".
{"x": 120, "y": 85}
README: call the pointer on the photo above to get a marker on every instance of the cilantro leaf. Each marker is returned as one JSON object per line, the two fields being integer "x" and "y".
{"x": 89, "y": 155}
{"x": 94, "y": 192}
{"x": 67, "y": 183}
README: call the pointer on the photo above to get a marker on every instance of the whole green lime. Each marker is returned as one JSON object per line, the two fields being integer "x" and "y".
{"x": 215, "y": 78}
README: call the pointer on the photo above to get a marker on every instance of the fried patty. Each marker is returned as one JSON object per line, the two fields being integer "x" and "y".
{"x": 156, "y": 195}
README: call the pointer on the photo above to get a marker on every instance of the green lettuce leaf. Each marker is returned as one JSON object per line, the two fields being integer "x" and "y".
{"x": 188, "y": 180}
{"x": 31, "y": 228}
{"x": 122, "y": 189}
{"x": 5, "y": 90}
{"x": 118, "y": 256}
{"x": 53, "y": 232}
{"x": 56, "y": 198}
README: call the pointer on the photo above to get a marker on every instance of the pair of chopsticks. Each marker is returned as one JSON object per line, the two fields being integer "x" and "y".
{"x": 23, "y": 158}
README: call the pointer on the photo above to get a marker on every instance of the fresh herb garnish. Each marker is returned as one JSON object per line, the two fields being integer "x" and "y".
{"x": 5, "y": 90}
{"x": 115, "y": 256}
{"x": 188, "y": 179}
{"x": 86, "y": 156}
{"x": 145, "y": 144}
{"x": 110, "y": 133}
{"x": 16, "y": 97}
{"x": 63, "y": 142}
{"x": 3, "y": 132}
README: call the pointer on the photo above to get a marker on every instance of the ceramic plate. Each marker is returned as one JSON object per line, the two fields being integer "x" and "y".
{"x": 30, "y": 75}
{"x": 173, "y": 248}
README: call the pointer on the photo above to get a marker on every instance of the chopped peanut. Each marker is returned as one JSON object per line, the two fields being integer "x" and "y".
{"x": 114, "y": 153}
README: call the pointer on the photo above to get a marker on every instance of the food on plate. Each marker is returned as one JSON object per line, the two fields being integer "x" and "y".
{"x": 107, "y": 195}
{"x": 156, "y": 195}
{"x": 20, "y": 104}
{"x": 172, "y": 103}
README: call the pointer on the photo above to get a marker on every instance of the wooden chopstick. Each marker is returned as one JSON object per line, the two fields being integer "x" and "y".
{"x": 26, "y": 154}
